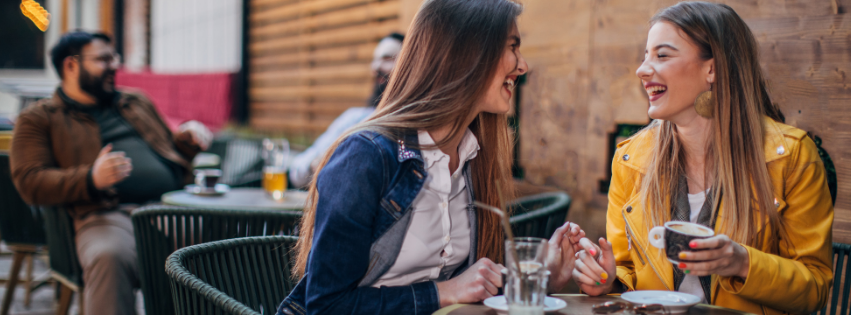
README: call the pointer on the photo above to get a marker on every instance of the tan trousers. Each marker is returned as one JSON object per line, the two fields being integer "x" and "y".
{"x": 107, "y": 252}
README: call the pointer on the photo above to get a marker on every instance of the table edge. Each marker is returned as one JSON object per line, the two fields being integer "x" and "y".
{"x": 450, "y": 308}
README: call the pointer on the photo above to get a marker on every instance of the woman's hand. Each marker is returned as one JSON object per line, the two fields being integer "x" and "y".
{"x": 561, "y": 254}
{"x": 595, "y": 274}
{"x": 722, "y": 257}
{"x": 479, "y": 282}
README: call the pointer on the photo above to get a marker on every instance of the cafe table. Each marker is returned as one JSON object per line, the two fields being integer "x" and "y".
{"x": 579, "y": 304}
{"x": 238, "y": 198}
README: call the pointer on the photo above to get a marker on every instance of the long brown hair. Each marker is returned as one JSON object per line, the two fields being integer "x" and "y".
{"x": 735, "y": 154}
{"x": 448, "y": 59}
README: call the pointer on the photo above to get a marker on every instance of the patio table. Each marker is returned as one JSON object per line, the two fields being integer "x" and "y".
{"x": 238, "y": 198}
{"x": 578, "y": 304}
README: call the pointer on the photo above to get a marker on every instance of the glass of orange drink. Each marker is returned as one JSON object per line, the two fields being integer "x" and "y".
{"x": 275, "y": 154}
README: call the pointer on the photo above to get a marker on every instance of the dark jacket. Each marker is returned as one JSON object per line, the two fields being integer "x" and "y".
{"x": 362, "y": 215}
{"x": 55, "y": 145}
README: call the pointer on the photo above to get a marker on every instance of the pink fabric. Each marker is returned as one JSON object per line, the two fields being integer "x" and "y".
{"x": 181, "y": 97}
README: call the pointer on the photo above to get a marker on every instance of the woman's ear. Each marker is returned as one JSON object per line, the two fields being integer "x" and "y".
{"x": 709, "y": 69}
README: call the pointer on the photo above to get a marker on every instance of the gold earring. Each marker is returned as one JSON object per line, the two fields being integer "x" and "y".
{"x": 703, "y": 104}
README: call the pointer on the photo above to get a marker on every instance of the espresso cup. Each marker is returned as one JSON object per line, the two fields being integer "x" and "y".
{"x": 675, "y": 236}
{"x": 207, "y": 178}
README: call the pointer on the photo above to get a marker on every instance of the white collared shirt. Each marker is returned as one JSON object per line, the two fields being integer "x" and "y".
{"x": 438, "y": 239}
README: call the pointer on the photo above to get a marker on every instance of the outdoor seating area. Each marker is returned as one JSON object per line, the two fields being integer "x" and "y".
{"x": 444, "y": 157}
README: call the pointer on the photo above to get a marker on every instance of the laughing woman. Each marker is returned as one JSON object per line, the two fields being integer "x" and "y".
{"x": 716, "y": 153}
{"x": 390, "y": 227}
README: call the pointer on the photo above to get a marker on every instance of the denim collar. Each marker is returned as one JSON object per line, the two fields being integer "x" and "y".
{"x": 406, "y": 150}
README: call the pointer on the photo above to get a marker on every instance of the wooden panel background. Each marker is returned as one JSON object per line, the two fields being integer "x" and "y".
{"x": 309, "y": 59}
{"x": 309, "y": 62}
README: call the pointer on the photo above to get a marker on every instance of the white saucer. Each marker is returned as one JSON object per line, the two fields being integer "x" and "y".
{"x": 500, "y": 304}
{"x": 674, "y": 302}
{"x": 219, "y": 190}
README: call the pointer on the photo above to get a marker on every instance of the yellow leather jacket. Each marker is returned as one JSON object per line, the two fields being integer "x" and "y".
{"x": 797, "y": 281}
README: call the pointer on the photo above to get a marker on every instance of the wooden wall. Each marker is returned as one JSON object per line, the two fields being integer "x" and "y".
{"x": 309, "y": 59}
{"x": 309, "y": 62}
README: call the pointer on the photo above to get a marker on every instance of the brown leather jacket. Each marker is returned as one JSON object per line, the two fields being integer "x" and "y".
{"x": 54, "y": 147}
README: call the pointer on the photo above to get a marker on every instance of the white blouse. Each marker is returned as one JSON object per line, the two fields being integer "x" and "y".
{"x": 691, "y": 284}
{"x": 438, "y": 240}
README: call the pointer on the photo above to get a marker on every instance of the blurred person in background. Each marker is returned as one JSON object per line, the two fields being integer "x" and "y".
{"x": 383, "y": 62}
{"x": 100, "y": 152}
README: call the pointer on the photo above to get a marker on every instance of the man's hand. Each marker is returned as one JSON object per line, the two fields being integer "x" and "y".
{"x": 201, "y": 136}
{"x": 110, "y": 168}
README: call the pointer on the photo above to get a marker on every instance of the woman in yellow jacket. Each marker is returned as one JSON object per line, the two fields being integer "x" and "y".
{"x": 716, "y": 153}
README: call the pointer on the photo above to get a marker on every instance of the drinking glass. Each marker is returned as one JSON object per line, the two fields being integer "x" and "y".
{"x": 531, "y": 251}
{"x": 275, "y": 155}
{"x": 526, "y": 291}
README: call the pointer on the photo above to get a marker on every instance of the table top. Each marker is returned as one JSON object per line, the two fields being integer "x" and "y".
{"x": 577, "y": 304}
{"x": 238, "y": 198}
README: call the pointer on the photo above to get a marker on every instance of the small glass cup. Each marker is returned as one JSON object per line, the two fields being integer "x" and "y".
{"x": 531, "y": 251}
{"x": 526, "y": 291}
{"x": 275, "y": 155}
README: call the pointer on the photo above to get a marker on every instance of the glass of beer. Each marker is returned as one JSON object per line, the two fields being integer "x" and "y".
{"x": 275, "y": 155}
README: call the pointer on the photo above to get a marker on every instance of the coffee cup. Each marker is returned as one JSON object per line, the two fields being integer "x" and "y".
{"x": 207, "y": 178}
{"x": 675, "y": 237}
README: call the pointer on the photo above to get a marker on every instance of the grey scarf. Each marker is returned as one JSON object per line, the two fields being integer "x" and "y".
{"x": 681, "y": 211}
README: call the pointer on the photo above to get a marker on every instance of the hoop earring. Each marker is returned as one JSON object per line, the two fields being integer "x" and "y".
{"x": 703, "y": 104}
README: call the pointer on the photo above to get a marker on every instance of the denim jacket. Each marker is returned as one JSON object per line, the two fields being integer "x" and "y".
{"x": 363, "y": 213}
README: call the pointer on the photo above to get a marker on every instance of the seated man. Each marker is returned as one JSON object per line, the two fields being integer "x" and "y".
{"x": 383, "y": 61}
{"x": 99, "y": 152}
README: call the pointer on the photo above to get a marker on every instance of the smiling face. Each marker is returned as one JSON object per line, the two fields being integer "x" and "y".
{"x": 497, "y": 99}
{"x": 673, "y": 73}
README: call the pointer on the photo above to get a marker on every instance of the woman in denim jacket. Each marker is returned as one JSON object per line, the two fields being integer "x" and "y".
{"x": 390, "y": 227}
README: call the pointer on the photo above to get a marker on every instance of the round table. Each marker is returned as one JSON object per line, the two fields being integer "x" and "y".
{"x": 577, "y": 304}
{"x": 238, "y": 198}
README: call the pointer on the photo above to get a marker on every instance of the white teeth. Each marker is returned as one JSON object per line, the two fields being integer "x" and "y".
{"x": 656, "y": 89}
{"x": 510, "y": 83}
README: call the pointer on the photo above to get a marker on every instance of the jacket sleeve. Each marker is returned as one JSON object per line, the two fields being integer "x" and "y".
{"x": 615, "y": 225}
{"x": 804, "y": 267}
{"x": 34, "y": 172}
{"x": 350, "y": 190}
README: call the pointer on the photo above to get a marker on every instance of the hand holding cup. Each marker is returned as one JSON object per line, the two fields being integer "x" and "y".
{"x": 479, "y": 282}
{"x": 696, "y": 250}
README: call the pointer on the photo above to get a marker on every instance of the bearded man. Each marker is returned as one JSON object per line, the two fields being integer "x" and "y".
{"x": 99, "y": 153}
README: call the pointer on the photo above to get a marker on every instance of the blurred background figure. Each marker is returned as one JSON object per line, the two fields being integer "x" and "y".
{"x": 100, "y": 153}
{"x": 383, "y": 62}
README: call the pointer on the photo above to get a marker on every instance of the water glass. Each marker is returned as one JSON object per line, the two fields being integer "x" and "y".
{"x": 531, "y": 251}
{"x": 275, "y": 155}
{"x": 526, "y": 291}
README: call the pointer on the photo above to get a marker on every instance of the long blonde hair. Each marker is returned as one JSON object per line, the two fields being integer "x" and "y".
{"x": 735, "y": 154}
{"x": 447, "y": 61}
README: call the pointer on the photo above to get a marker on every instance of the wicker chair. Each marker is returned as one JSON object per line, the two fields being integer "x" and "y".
{"x": 839, "y": 299}
{"x": 539, "y": 215}
{"x": 160, "y": 230}
{"x": 240, "y": 276}
{"x": 23, "y": 232}
{"x": 62, "y": 250}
